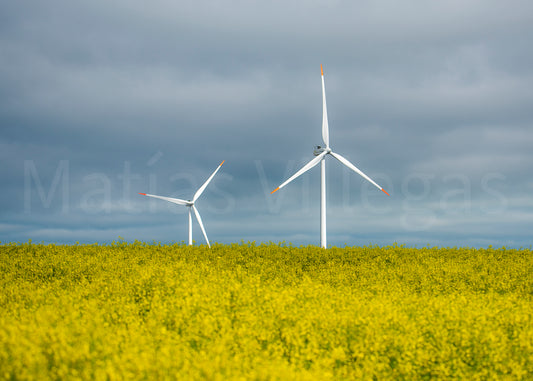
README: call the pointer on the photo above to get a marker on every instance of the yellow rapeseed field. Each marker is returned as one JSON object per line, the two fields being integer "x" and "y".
{"x": 264, "y": 312}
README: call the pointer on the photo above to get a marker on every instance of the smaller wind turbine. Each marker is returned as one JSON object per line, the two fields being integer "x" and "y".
{"x": 190, "y": 204}
{"x": 321, "y": 153}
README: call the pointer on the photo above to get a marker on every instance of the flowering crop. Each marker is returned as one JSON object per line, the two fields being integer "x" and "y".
{"x": 264, "y": 312}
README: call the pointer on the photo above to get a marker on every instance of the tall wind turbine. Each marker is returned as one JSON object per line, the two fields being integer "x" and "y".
{"x": 190, "y": 204}
{"x": 321, "y": 153}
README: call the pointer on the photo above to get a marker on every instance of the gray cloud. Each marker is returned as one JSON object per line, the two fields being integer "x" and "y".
{"x": 432, "y": 100}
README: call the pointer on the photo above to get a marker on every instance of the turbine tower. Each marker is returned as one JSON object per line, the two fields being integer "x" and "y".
{"x": 321, "y": 153}
{"x": 190, "y": 204}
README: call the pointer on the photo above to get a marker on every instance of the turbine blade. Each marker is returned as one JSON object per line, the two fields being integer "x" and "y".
{"x": 355, "y": 169}
{"x": 202, "y": 188}
{"x": 199, "y": 219}
{"x": 178, "y": 201}
{"x": 325, "y": 126}
{"x": 305, "y": 168}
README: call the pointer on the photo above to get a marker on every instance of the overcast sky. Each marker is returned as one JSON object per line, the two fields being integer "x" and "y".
{"x": 100, "y": 100}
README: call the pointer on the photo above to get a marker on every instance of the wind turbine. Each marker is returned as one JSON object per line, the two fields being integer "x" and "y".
{"x": 321, "y": 153}
{"x": 190, "y": 204}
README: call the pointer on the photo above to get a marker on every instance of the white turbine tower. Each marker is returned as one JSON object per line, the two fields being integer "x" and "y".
{"x": 190, "y": 204}
{"x": 320, "y": 153}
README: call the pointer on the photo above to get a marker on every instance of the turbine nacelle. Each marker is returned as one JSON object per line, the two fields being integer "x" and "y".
{"x": 319, "y": 149}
